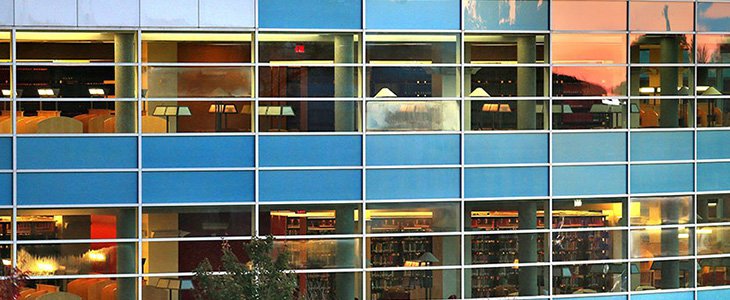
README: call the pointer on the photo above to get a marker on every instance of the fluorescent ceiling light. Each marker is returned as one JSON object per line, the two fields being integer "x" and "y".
{"x": 63, "y": 36}
{"x": 438, "y": 38}
{"x": 197, "y": 37}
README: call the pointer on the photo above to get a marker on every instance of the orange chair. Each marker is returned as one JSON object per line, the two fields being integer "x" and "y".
{"x": 96, "y": 288}
{"x": 109, "y": 292}
{"x": 25, "y": 293}
{"x": 47, "y": 287}
{"x": 35, "y": 295}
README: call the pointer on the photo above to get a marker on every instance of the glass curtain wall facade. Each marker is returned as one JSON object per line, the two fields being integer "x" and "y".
{"x": 398, "y": 149}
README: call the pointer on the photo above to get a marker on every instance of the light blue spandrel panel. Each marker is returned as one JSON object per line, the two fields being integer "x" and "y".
{"x": 6, "y": 189}
{"x": 6, "y": 153}
{"x": 281, "y": 151}
{"x": 713, "y": 294}
{"x": 505, "y": 182}
{"x": 186, "y": 187}
{"x": 713, "y": 16}
{"x": 600, "y": 298}
{"x": 310, "y": 185}
{"x": 77, "y": 153}
{"x": 713, "y": 144}
{"x": 713, "y": 176}
{"x": 198, "y": 152}
{"x": 662, "y": 178}
{"x": 589, "y": 180}
{"x": 412, "y": 14}
{"x": 505, "y": 148}
{"x": 647, "y": 146}
{"x": 412, "y": 150}
{"x": 317, "y": 14}
{"x": 413, "y": 183}
{"x": 665, "y": 296}
{"x": 589, "y": 147}
{"x": 505, "y": 15}
{"x": 77, "y": 188}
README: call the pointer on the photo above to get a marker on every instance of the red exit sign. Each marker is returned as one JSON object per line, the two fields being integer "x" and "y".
{"x": 299, "y": 48}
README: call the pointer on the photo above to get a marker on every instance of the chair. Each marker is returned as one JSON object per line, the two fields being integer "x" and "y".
{"x": 59, "y": 296}
{"x": 35, "y": 295}
{"x": 95, "y": 289}
{"x": 109, "y": 292}
{"x": 47, "y": 287}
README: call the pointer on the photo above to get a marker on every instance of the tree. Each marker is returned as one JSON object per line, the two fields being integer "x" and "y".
{"x": 12, "y": 282}
{"x": 262, "y": 278}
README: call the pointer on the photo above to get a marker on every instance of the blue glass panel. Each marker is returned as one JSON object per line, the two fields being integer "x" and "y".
{"x": 505, "y": 148}
{"x": 713, "y": 176}
{"x": 174, "y": 187}
{"x": 589, "y": 147}
{"x": 77, "y": 188}
{"x": 713, "y": 144}
{"x": 505, "y": 182}
{"x": 197, "y": 152}
{"x": 337, "y": 14}
{"x": 6, "y": 152}
{"x": 589, "y": 180}
{"x": 713, "y": 294}
{"x": 505, "y": 15}
{"x": 77, "y": 153}
{"x": 713, "y": 16}
{"x": 310, "y": 185}
{"x": 279, "y": 151}
{"x": 413, "y": 184}
{"x": 653, "y": 179}
{"x": 412, "y": 14}
{"x": 665, "y": 296}
{"x": 661, "y": 146}
{"x": 412, "y": 150}
{"x": 6, "y": 189}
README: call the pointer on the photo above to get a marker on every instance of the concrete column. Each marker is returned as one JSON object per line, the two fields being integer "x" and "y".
{"x": 345, "y": 83}
{"x": 670, "y": 244}
{"x": 527, "y": 249}
{"x": 126, "y": 254}
{"x": 669, "y": 78}
{"x": 526, "y": 87}
{"x": 125, "y": 83}
{"x": 345, "y": 256}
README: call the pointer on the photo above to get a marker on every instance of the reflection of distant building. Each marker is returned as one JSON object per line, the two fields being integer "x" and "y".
{"x": 571, "y": 86}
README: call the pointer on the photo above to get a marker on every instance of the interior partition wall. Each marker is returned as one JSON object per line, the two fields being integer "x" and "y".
{"x": 398, "y": 149}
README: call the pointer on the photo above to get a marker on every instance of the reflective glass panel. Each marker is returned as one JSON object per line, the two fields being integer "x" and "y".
{"x": 589, "y": 245}
{"x": 76, "y": 223}
{"x": 110, "y": 288}
{"x": 76, "y": 117}
{"x": 713, "y": 81}
{"x": 711, "y": 16}
{"x": 76, "y": 47}
{"x": 505, "y": 15}
{"x": 713, "y": 48}
{"x": 505, "y": 248}
{"x": 662, "y": 242}
{"x": 197, "y": 82}
{"x": 713, "y": 208}
{"x": 506, "y": 82}
{"x": 75, "y": 81}
{"x": 661, "y": 16}
{"x": 196, "y": 116}
{"x": 413, "y": 115}
{"x": 589, "y": 81}
{"x": 504, "y": 215}
{"x": 77, "y": 259}
{"x": 185, "y": 256}
{"x": 588, "y": 15}
{"x": 662, "y": 113}
{"x": 590, "y": 279}
{"x": 589, "y": 48}
{"x": 196, "y": 221}
{"x": 412, "y": 217}
{"x": 507, "y": 282}
{"x": 413, "y": 82}
{"x": 666, "y": 274}
{"x": 662, "y": 48}
{"x": 713, "y": 240}
{"x": 661, "y": 210}
{"x": 309, "y": 48}
{"x": 713, "y": 113}
{"x": 309, "y": 116}
{"x": 6, "y": 121}
{"x": 299, "y": 81}
{"x": 441, "y": 284}
{"x": 712, "y": 271}
{"x": 589, "y": 114}
{"x": 322, "y": 253}
{"x": 582, "y": 213}
{"x": 310, "y": 219}
{"x": 182, "y": 47}
{"x": 412, "y": 48}
{"x": 413, "y": 251}
{"x": 505, "y": 48}
{"x": 328, "y": 285}
{"x": 506, "y": 115}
